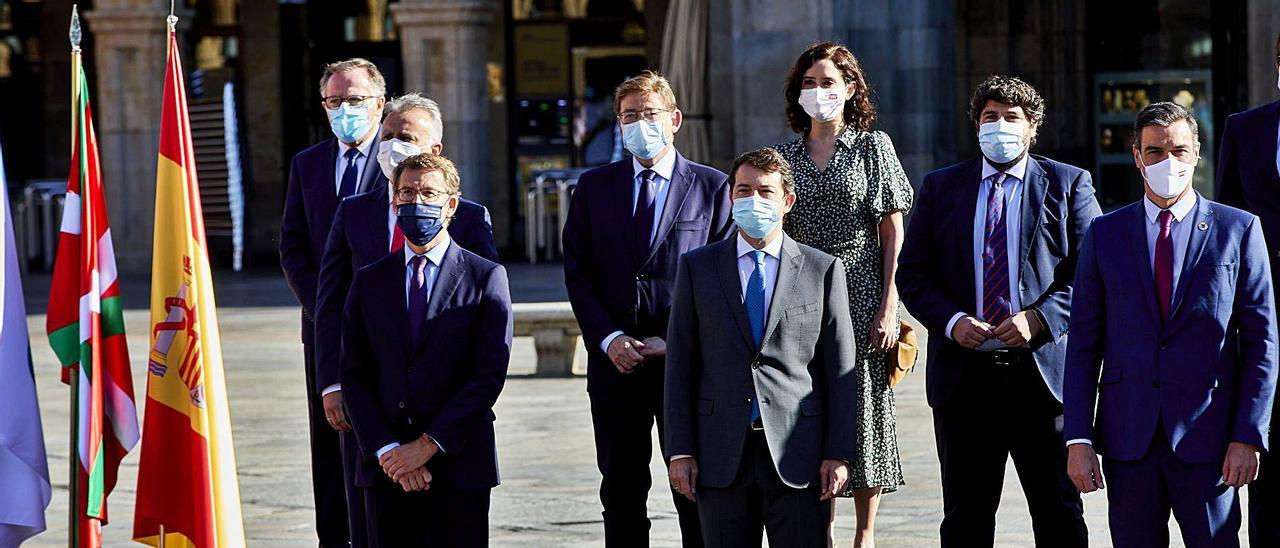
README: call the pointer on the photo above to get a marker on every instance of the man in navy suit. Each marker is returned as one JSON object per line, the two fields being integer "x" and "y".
{"x": 987, "y": 267}
{"x": 426, "y": 340}
{"x": 353, "y": 93}
{"x": 1249, "y": 178}
{"x": 364, "y": 230}
{"x": 628, "y": 224}
{"x": 1174, "y": 307}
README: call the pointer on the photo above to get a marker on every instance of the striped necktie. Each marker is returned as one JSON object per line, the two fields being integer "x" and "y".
{"x": 995, "y": 257}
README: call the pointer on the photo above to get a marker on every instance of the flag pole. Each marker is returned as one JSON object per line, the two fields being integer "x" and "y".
{"x": 73, "y": 503}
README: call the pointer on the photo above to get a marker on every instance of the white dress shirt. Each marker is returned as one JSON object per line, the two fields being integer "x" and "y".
{"x": 1179, "y": 232}
{"x": 436, "y": 257}
{"x": 661, "y": 185}
{"x": 747, "y": 266}
{"x": 340, "y": 165}
{"x": 1013, "y": 230}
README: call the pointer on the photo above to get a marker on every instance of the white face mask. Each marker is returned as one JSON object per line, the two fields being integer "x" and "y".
{"x": 1001, "y": 141}
{"x": 1168, "y": 178}
{"x": 393, "y": 151}
{"x": 823, "y": 104}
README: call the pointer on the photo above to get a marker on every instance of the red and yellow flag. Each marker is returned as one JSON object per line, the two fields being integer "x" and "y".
{"x": 187, "y": 484}
{"x": 85, "y": 324}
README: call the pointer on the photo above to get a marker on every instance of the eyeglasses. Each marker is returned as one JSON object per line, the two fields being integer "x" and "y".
{"x": 333, "y": 102}
{"x": 409, "y": 195}
{"x": 630, "y": 116}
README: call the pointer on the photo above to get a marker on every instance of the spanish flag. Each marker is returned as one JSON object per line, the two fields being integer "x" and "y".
{"x": 187, "y": 488}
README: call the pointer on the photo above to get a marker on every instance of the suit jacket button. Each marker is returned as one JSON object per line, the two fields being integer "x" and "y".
{"x": 402, "y": 405}
{"x": 765, "y": 401}
{"x": 748, "y": 400}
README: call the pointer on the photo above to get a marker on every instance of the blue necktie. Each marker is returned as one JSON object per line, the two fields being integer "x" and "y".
{"x": 995, "y": 257}
{"x": 756, "y": 313}
{"x": 348, "y": 186}
{"x": 645, "y": 206}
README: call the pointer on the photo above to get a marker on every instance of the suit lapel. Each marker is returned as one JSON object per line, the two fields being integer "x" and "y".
{"x": 786, "y": 287}
{"x": 372, "y": 170}
{"x": 376, "y": 229}
{"x": 448, "y": 278}
{"x": 1033, "y": 191}
{"x": 1268, "y": 145}
{"x": 677, "y": 191}
{"x": 966, "y": 195}
{"x": 1138, "y": 249}
{"x": 1195, "y": 248}
{"x": 621, "y": 202}
{"x": 327, "y": 181}
{"x": 393, "y": 291}
{"x": 731, "y": 286}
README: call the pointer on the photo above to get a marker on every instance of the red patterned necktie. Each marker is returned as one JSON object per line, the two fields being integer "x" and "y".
{"x": 995, "y": 257}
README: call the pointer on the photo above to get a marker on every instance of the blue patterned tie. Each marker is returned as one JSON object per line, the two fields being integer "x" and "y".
{"x": 995, "y": 257}
{"x": 349, "y": 175}
{"x": 756, "y": 313}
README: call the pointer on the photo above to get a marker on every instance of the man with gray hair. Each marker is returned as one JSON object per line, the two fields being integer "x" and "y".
{"x": 1171, "y": 364}
{"x": 353, "y": 94}
{"x": 412, "y": 126}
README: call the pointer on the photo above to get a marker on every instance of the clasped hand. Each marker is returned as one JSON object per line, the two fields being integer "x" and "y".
{"x": 628, "y": 353}
{"x": 407, "y": 464}
{"x": 1016, "y": 331}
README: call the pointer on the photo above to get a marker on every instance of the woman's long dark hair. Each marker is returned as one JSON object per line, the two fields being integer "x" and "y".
{"x": 859, "y": 113}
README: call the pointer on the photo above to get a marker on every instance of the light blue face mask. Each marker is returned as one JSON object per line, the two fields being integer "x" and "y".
{"x": 644, "y": 139}
{"x": 1001, "y": 141}
{"x": 349, "y": 123}
{"x": 756, "y": 216}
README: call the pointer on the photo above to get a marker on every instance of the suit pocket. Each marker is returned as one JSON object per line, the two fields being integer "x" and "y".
{"x": 810, "y": 408}
{"x": 705, "y": 406}
{"x": 801, "y": 310}
{"x": 692, "y": 224}
{"x": 1111, "y": 375}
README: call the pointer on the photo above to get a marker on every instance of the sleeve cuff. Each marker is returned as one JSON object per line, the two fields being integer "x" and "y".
{"x": 438, "y": 446}
{"x": 386, "y": 448}
{"x": 604, "y": 345}
{"x": 1076, "y": 441}
{"x": 678, "y": 457}
{"x": 951, "y": 324}
{"x": 336, "y": 387}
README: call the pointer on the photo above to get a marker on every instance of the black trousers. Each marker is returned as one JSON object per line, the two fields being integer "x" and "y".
{"x": 356, "y": 522}
{"x": 1264, "y": 498}
{"x": 998, "y": 411}
{"x": 757, "y": 499}
{"x": 624, "y": 409}
{"x": 327, "y": 476}
{"x": 438, "y": 517}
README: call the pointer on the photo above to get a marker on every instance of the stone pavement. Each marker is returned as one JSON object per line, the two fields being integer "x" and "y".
{"x": 548, "y": 496}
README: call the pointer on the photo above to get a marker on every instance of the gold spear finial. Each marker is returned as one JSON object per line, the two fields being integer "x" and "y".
{"x": 75, "y": 29}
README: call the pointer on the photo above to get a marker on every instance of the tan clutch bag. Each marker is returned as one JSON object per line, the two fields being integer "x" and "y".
{"x": 902, "y": 357}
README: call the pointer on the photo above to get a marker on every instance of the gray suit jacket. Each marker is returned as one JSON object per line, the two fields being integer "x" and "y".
{"x": 802, "y": 376}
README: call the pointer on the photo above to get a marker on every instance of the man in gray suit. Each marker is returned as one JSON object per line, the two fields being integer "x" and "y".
{"x": 759, "y": 411}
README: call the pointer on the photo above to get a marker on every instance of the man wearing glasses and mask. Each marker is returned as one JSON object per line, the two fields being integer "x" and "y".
{"x": 426, "y": 340}
{"x": 628, "y": 224}
{"x": 352, "y": 93}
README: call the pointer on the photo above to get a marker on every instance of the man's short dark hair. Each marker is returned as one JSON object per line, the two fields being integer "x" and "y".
{"x": 1163, "y": 114}
{"x": 768, "y": 160}
{"x": 1011, "y": 91}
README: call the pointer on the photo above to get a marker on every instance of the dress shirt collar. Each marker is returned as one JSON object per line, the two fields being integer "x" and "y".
{"x": 663, "y": 168}
{"x": 773, "y": 249}
{"x": 1180, "y": 209}
{"x": 1017, "y": 171}
{"x": 435, "y": 255}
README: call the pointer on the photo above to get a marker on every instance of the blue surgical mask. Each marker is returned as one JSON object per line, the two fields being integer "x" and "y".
{"x": 349, "y": 123}
{"x": 1001, "y": 141}
{"x": 644, "y": 139}
{"x": 756, "y": 216}
{"x": 420, "y": 222}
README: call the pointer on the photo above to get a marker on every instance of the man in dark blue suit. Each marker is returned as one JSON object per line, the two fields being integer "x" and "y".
{"x": 987, "y": 267}
{"x": 364, "y": 230}
{"x": 1249, "y": 178}
{"x": 426, "y": 340}
{"x": 1173, "y": 305}
{"x": 319, "y": 177}
{"x": 628, "y": 224}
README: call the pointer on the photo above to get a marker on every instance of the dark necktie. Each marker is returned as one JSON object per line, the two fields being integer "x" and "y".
{"x": 349, "y": 175}
{"x": 995, "y": 257}
{"x": 645, "y": 205}
{"x": 417, "y": 295}
{"x": 753, "y": 299}
{"x": 1164, "y": 263}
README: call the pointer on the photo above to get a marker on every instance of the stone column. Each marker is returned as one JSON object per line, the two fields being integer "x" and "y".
{"x": 445, "y": 49}
{"x": 130, "y": 47}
